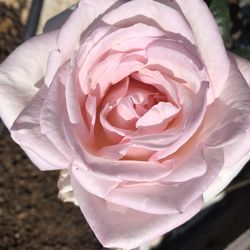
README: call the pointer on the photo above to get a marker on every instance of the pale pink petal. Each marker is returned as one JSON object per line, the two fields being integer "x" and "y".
{"x": 151, "y": 198}
{"x": 134, "y": 43}
{"x": 223, "y": 125}
{"x": 182, "y": 63}
{"x": 236, "y": 92}
{"x": 187, "y": 165}
{"x": 190, "y": 118}
{"x": 128, "y": 170}
{"x": 152, "y": 13}
{"x": 91, "y": 109}
{"x": 208, "y": 40}
{"x": 26, "y": 131}
{"x": 170, "y": 197}
{"x": 72, "y": 30}
{"x": 124, "y": 115}
{"x": 139, "y": 154}
{"x": 86, "y": 13}
{"x": 113, "y": 152}
{"x": 90, "y": 55}
{"x": 112, "y": 169}
{"x": 129, "y": 64}
{"x": 157, "y": 118}
{"x": 117, "y": 92}
{"x": 73, "y": 95}
{"x": 160, "y": 82}
{"x": 55, "y": 61}
{"x": 123, "y": 64}
{"x": 100, "y": 72}
{"x": 114, "y": 133}
{"x": 236, "y": 144}
{"x": 236, "y": 112}
{"x": 226, "y": 175}
{"x": 53, "y": 113}
{"x": 21, "y": 72}
{"x": 140, "y": 92}
{"x": 92, "y": 183}
{"x": 229, "y": 171}
{"x": 117, "y": 226}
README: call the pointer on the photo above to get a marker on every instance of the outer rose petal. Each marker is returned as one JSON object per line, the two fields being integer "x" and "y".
{"x": 156, "y": 13}
{"x": 21, "y": 72}
{"x": 75, "y": 27}
{"x": 224, "y": 178}
{"x": 26, "y": 131}
{"x": 208, "y": 40}
{"x": 87, "y": 12}
{"x": 117, "y": 226}
{"x": 237, "y": 154}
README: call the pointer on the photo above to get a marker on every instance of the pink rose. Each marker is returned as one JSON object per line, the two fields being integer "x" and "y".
{"x": 141, "y": 103}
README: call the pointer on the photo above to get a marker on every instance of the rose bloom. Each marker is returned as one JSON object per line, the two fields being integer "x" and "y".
{"x": 140, "y": 102}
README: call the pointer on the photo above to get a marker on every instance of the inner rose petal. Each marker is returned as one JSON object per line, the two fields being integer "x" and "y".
{"x": 140, "y": 98}
{"x": 86, "y": 60}
{"x": 159, "y": 81}
{"x": 158, "y": 117}
{"x": 114, "y": 133}
{"x": 134, "y": 96}
{"x": 124, "y": 114}
{"x": 184, "y": 126}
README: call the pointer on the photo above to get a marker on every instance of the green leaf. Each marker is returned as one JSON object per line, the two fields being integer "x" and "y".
{"x": 220, "y": 10}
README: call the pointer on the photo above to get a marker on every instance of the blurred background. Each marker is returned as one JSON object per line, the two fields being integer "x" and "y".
{"x": 31, "y": 215}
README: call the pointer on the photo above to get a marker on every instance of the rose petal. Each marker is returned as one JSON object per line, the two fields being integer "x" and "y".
{"x": 117, "y": 226}
{"x": 112, "y": 169}
{"x": 53, "y": 112}
{"x": 226, "y": 175}
{"x": 90, "y": 55}
{"x": 123, "y": 64}
{"x": 152, "y": 13}
{"x": 26, "y": 131}
{"x": 160, "y": 82}
{"x": 55, "y": 60}
{"x": 72, "y": 29}
{"x": 182, "y": 63}
{"x": 223, "y": 125}
{"x": 157, "y": 118}
{"x": 124, "y": 115}
{"x": 74, "y": 96}
{"x": 187, "y": 165}
{"x": 115, "y": 134}
{"x": 113, "y": 152}
{"x": 20, "y": 73}
{"x": 208, "y": 40}
{"x": 163, "y": 197}
{"x": 69, "y": 36}
{"x": 236, "y": 92}
{"x": 169, "y": 141}
{"x": 92, "y": 183}
{"x": 236, "y": 96}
